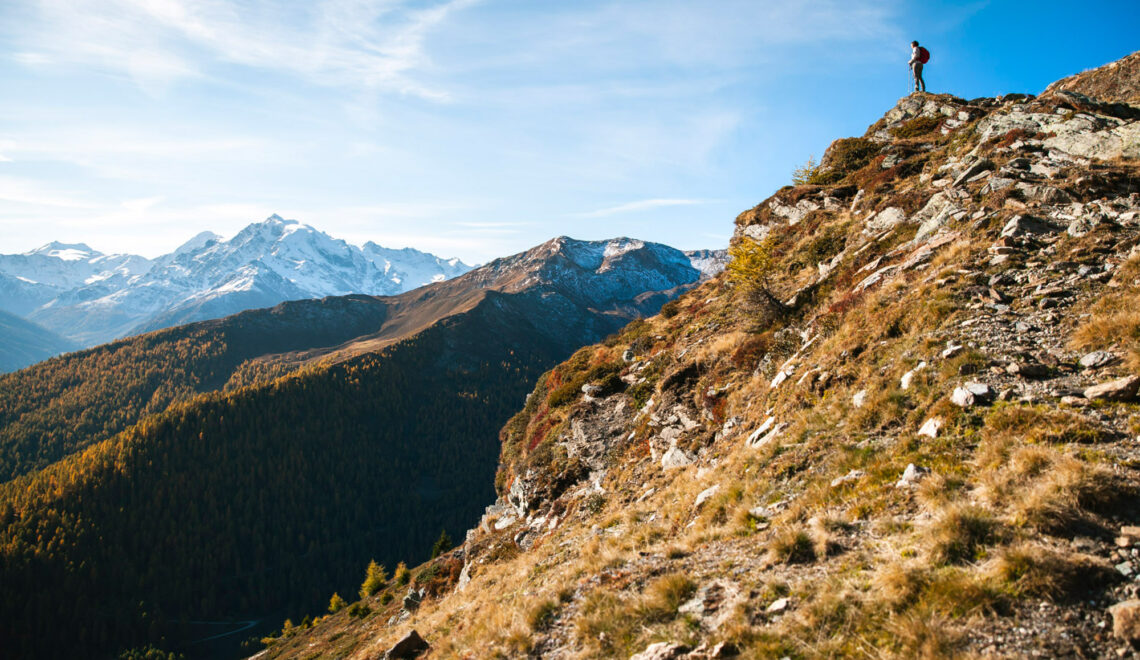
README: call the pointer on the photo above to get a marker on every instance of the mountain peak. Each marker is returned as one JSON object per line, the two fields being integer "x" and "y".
{"x": 66, "y": 251}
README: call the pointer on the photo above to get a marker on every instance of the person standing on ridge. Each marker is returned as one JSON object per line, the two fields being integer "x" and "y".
{"x": 918, "y": 57}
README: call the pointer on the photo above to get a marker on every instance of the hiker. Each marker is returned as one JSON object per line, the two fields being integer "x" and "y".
{"x": 918, "y": 57}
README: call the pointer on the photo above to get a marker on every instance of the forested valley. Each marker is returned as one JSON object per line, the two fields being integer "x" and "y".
{"x": 264, "y": 499}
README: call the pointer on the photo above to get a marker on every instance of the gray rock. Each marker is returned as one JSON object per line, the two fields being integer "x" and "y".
{"x": 931, "y": 428}
{"x": 1126, "y": 620}
{"x": 1123, "y": 389}
{"x": 410, "y": 646}
{"x": 859, "y": 399}
{"x": 1022, "y": 225}
{"x": 412, "y": 599}
{"x": 705, "y": 494}
{"x": 1098, "y": 359}
{"x": 847, "y": 478}
{"x": 888, "y": 218}
{"x": 676, "y": 458}
{"x": 590, "y": 389}
{"x": 912, "y": 475}
{"x": 779, "y": 605}
{"x": 662, "y": 651}
{"x": 1028, "y": 370}
{"x": 974, "y": 170}
{"x": 971, "y": 394}
{"x": 1084, "y": 224}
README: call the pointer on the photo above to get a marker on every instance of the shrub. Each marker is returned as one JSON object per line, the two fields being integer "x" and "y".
{"x": 916, "y": 127}
{"x": 664, "y": 595}
{"x": 960, "y": 534}
{"x": 792, "y": 545}
{"x": 402, "y": 575}
{"x": 846, "y": 156}
{"x": 1034, "y": 570}
{"x": 671, "y": 309}
{"x": 336, "y": 604}
{"x": 359, "y": 610}
{"x": 542, "y": 614}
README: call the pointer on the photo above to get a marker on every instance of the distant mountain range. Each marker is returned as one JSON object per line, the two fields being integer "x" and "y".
{"x": 89, "y": 298}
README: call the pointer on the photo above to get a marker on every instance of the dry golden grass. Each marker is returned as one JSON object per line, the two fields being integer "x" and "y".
{"x": 1033, "y": 569}
{"x": 960, "y": 534}
{"x": 1115, "y": 318}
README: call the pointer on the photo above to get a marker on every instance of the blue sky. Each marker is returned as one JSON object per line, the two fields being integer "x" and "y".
{"x": 472, "y": 128}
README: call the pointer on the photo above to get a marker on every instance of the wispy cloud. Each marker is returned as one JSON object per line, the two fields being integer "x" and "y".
{"x": 366, "y": 44}
{"x": 640, "y": 205}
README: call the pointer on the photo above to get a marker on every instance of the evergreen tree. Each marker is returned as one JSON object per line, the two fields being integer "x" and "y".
{"x": 336, "y": 603}
{"x": 442, "y": 545}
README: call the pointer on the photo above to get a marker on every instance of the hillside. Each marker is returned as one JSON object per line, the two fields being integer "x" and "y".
{"x": 23, "y": 343}
{"x": 903, "y": 424}
{"x": 235, "y": 470}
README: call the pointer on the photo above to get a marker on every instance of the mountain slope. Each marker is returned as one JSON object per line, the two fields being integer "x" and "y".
{"x": 173, "y": 500}
{"x": 901, "y": 425}
{"x": 23, "y": 343}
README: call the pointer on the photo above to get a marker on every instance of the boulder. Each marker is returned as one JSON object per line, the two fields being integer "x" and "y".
{"x": 779, "y": 605}
{"x": 888, "y": 218}
{"x": 847, "y": 478}
{"x": 409, "y": 647}
{"x": 662, "y": 651}
{"x": 1023, "y": 225}
{"x": 974, "y": 170}
{"x": 1098, "y": 359}
{"x": 705, "y": 494}
{"x": 912, "y": 475}
{"x": 1028, "y": 370}
{"x": 1123, "y": 389}
{"x": 972, "y": 394}
{"x": 412, "y": 599}
{"x": 931, "y": 428}
{"x": 1126, "y": 620}
{"x": 676, "y": 458}
{"x": 908, "y": 377}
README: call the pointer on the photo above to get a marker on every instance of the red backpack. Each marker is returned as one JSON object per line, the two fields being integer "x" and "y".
{"x": 923, "y": 55}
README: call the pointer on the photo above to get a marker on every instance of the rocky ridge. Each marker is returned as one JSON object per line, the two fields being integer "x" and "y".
{"x": 904, "y": 423}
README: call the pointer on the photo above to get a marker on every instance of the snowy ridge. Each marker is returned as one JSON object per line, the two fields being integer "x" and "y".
{"x": 90, "y": 297}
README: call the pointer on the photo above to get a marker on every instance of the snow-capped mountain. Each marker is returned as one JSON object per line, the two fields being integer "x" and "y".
{"x": 91, "y": 298}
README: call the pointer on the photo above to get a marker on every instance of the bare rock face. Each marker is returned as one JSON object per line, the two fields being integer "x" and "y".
{"x": 1126, "y": 620}
{"x": 1123, "y": 389}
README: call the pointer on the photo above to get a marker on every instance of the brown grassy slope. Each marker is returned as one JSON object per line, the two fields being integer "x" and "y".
{"x": 748, "y": 445}
{"x": 1115, "y": 82}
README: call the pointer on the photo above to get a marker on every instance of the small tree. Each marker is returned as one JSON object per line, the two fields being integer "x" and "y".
{"x": 442, "y": 545}
{"x": 374, "y": 579}
{"x": 805, "y": 173}
{"x": 336, "y": 603}
{"x": 402, "y": 576}
{"x": 751, "y": 265}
